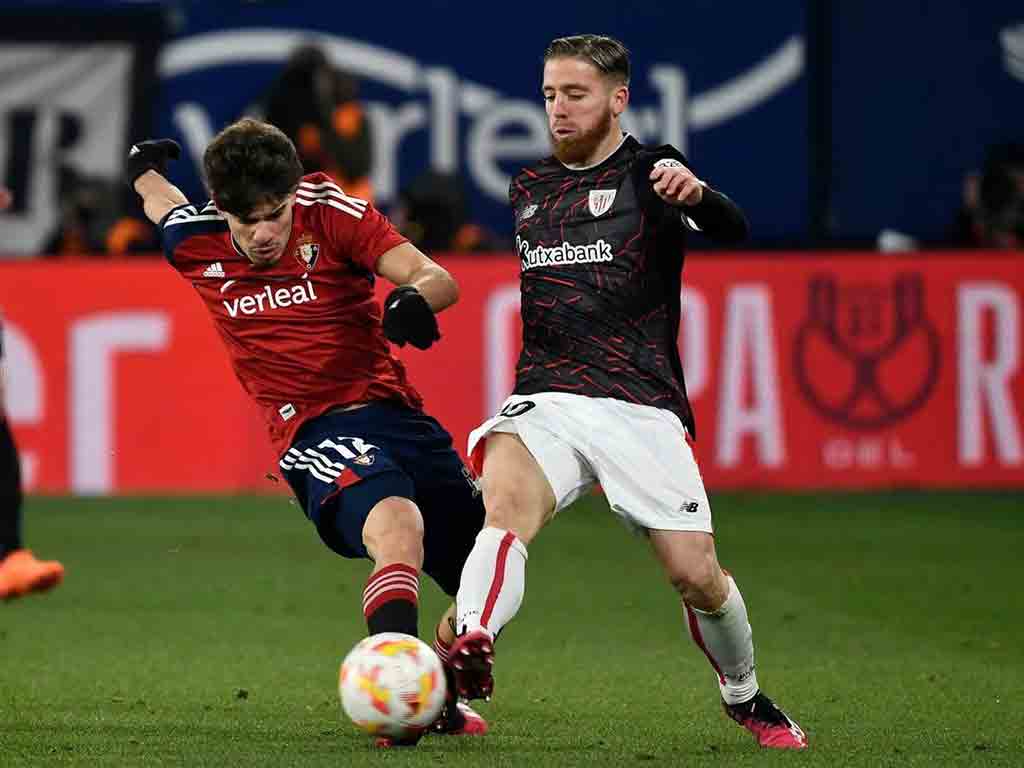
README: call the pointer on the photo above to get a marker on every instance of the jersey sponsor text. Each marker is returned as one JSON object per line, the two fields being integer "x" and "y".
{"x": 274, "y": 299}
{"x": 563, "y": 253}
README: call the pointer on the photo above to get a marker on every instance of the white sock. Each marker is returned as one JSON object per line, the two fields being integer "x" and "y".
{"x": 727, "y": 640}
{"x": 493, "y": 582}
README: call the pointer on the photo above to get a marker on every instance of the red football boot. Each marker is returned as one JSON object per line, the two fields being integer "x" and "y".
{"x": 472, "y": 657}
{"x": 462, "y": 721}
{"x": 770, "y": 725}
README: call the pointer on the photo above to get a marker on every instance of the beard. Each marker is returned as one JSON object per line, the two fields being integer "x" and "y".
{"x": 581, "y": 147}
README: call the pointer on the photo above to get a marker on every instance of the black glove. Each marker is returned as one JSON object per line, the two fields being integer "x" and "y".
{"x": 408, "y": 318}
{"x": 150, "y": 155}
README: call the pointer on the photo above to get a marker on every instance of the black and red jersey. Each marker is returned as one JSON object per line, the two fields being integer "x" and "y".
{"x": 601, "y": 267}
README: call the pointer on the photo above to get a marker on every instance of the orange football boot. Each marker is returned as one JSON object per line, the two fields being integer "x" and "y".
{"x": 21, "y": 574}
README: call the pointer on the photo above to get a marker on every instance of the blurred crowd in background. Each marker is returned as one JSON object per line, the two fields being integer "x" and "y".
{"x": 100, "y": 218}
{"x": 318, "y": 104}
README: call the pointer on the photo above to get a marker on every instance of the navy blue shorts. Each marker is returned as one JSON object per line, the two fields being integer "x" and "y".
{"x": 342, "y": 463}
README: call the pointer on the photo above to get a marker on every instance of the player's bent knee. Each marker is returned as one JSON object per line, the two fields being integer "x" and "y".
{"x": 512, "y": 509}
{"x": 517, "y": 495}
{"x": 393, "y": 532}
{"x": 701, "y": 583}
{"x": 695, "y": 576}
{"x": 692, "y": 567}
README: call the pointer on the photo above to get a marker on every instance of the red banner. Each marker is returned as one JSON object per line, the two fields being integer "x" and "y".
{"x": 805, "y": 371}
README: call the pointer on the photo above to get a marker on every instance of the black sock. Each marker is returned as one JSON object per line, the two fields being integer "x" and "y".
{"x": 10, "y": 492}
{"x": 453, "y": 717}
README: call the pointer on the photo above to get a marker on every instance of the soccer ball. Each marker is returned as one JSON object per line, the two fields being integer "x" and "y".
{"x": 392, "y": 685}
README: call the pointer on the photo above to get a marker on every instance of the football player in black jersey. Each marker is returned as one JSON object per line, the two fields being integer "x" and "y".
{"x": 20, "y": 572}
{"x": 599, "y": 394}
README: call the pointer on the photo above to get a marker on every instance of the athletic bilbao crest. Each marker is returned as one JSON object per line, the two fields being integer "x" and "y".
{"x": 600, "y": 201}
{"x": 307, "y": 251}
{"x": 866, "y": 356}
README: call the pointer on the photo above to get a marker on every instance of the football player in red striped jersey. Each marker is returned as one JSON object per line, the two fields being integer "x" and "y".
{"x": 285, "y": 264}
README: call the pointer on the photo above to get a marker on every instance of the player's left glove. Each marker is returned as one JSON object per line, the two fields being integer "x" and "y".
{"x": 150, "y": 155}
{"x": 408, "y": 318}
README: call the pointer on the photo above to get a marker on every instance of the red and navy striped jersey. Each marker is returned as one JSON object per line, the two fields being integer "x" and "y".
{"x": 304, "y": 335}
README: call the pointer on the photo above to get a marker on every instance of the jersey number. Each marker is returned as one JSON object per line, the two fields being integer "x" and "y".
{"x": 349, "y": 447}
{"x": 517, "y": 409}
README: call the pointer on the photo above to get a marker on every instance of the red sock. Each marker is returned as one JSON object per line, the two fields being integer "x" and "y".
{"x": 442, "y": 649}
{"x": 390, "y": 600}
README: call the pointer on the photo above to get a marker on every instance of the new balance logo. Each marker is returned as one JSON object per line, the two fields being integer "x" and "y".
{"x": 689, "y": 508}
{"x": 214, "y": 270}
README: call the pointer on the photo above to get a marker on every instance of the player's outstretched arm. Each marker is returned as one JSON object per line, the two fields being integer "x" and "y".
{"x": 145, "y": 170}
{"x": 424, "y": 288}
{"x": 158, "y": 195}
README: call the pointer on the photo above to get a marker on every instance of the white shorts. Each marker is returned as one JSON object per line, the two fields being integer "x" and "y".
{"x": 638, "y": 453}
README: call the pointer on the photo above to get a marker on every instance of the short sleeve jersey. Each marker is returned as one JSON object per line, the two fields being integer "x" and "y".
{"x": 304, "y": 334}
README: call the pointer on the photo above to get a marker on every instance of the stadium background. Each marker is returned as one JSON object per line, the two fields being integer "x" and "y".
{"x": 848, "y": 348}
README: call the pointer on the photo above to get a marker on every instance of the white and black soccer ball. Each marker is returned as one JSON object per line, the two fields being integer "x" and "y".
{"x": 392, "y": 685}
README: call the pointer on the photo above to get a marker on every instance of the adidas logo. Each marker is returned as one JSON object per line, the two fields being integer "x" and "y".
{"x": 214, "y": 270}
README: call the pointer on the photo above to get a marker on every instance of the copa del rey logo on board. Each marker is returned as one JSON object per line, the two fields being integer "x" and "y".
{"x": 601, "y": 200}
{"x": 307, "y": 251}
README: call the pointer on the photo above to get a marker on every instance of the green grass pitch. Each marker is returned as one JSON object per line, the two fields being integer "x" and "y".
{"x": 207, "y": 632}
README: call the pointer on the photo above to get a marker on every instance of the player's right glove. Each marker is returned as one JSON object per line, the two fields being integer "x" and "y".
{"x": 150, "y": 155}
{"x": 408, "y": 318}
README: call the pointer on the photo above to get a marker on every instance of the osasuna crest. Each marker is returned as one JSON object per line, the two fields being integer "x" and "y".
{"x": 307, "y": 251}
{"x": 600, "y": 201}
{"x": 364, "y": 460}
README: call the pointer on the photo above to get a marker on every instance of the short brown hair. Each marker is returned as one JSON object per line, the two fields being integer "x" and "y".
{"x": 606, "y": 53}
{"x": 248, "y": 164}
